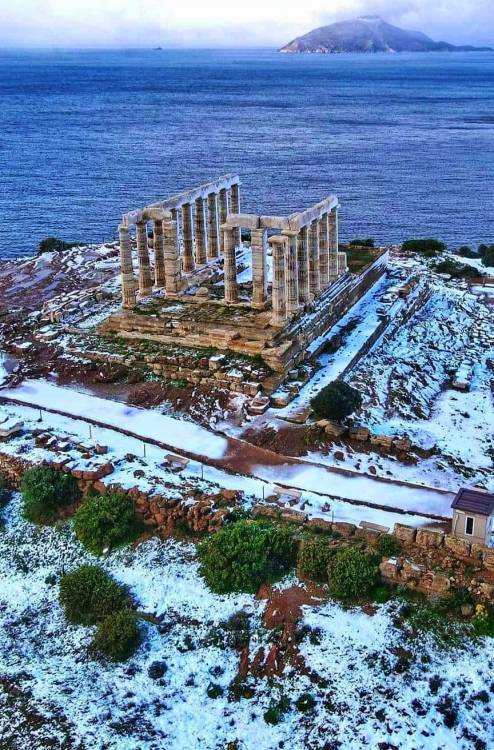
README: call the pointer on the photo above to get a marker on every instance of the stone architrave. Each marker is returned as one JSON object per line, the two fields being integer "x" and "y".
{"x": 258, "y": 241}
{"x": 229, "y": 264}
{"x": 291, "y": 273}
{"x": 201, "y": 227}
{"x": 159, "y": 257}
{"x": 213, "y": 226}
{"x": 145, "y": 281}
{"x": 127, "y": 269}
{"x": 278, "y": 248}
{"x": 324, "y": 250}
{"x": 173, "y": 272}
{"x": 303, "y": 266}
{"x": 188, "y": 237}
{"x": 314, "y": 276}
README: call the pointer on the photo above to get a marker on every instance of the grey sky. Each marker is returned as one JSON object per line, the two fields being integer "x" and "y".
{"x": 117, "y": 23}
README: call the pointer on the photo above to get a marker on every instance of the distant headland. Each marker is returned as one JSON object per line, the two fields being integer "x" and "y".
{"x": 369, "y": 34}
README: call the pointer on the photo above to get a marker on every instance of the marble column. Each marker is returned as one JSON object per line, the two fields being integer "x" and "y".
{"x": 173, "y": 272}
{"x": 235, "y": 209}
{"x": 213, "y": 226}
{"x": 145, "y": 281}
{"x": 324, "y": 250}
{"x": 278, "y": 249}
{"x": 303, "y": 266}
{"x": 201, "y": 232}
{"x": 159, "y": 258}
{"x": 314, "y": 275}
{"x": 291, "y": 272}
{"x": 258, "y": 239}
{"x": 223, "y": 207}
{"x": 333, "y": 245}
{"x": 127, "y": 269}
{"x": 188, "y": 237}
{"x": 230, "y": 264}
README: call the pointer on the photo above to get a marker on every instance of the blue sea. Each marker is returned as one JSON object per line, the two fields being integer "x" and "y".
{"x": 407, "y": 141}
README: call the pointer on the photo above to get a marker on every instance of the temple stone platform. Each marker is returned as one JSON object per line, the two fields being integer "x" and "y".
{"x": 201, "y": 285}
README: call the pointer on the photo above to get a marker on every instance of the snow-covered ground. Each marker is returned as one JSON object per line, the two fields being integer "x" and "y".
{"x": 370, "y": 684}
{"x": 321, "y": 488}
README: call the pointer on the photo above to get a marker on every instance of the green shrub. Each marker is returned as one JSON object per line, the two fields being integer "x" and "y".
{"x": 44, "y": 491}
{"x": 381, "y": 594}
{"x": 313, "y": 559}
{"x": 241, "y": 556}
{"x": 428, "y": 247}
{"x": 305, "y": 702}
{"x": 466, "y": 252}
{"x": 455, "y": 269}
{"x": 369, "y": 242}
{"x": 54, "y": 244}
{"x": 277, "y": 710}
{"x": 429, "y": 617}
{"x": 118, "y": 635}
{"x": 336, "y": 401}
{"x": 487, "y": 254}
{"x": 106, "y": 521}
{"x": 352, "y": 573}
{"x": 88, "y": 595}
{"x": 388, "y": 545}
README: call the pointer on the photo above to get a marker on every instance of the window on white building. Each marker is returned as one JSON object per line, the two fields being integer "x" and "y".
{"x": 469, "y": 524}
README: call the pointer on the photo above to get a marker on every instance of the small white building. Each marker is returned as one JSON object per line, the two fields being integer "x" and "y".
{"x": 473, "y": 516}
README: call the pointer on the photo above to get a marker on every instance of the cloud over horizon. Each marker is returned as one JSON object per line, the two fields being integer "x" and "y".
{"x": 126, "y": 23}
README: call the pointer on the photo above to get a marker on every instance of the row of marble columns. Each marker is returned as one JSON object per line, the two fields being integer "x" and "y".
{"x": 304, "y": 263}
{"x": 186, "y": 239}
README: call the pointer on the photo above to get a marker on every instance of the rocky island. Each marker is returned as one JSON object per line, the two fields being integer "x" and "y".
{"x": 369, "y": 34}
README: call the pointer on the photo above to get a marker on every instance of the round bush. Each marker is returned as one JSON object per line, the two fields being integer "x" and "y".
{"x": 44, "y": 491}
{"x": 388, "y": 545}
{"x": 105, "y": 521}
{"x": 88, "y": 595}
{"x": 428, "y": 247}
{"x": 242, "y": 556}
{"x": 118, "y": 635}
{"x": 313, "y": 559}
{"x": 352, "y": 573}
{"x": 336, "y": 401}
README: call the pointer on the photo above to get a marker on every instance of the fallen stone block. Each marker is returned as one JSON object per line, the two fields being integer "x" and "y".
{"x": 390, "y": 568}
{"x": 334, "y": 430}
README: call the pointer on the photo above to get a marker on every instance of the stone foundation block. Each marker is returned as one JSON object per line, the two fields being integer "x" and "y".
{"x": 369, "y": 535}
{"x": 320, "y": 524}
{"x": 294, "y": 516}
{"x": 429, "y": 538}
{"x": 489, "y": 558}
{"x": 459, "y": 547}
{"x": 405, "y": 533}
{"x": 390, "y": 568}
{"x": 344, "y": 529}
{"x": 267, "y": 511}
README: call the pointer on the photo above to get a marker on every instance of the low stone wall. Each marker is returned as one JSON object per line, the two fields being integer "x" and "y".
{"x": 200, "y": 512}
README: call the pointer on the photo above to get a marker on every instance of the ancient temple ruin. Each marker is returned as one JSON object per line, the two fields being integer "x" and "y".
{"x": 202, "y": 225}
{"x": 211, "y": 277}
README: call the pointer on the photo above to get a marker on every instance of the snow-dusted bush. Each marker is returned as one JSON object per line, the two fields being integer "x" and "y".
{"x": 313, "y": 559}
{"x": 118, "y": 635}
{"x": 245, "y": 554}
{"x": 352, "y": 573}
{"x": 388, "y": 545}
{"x": 105, "y": 521}
{"x": 88, "y": 595}
{"x": 336, "y": 401}
{"x": 45, "y": 491}
{"x": 428, "y": 247}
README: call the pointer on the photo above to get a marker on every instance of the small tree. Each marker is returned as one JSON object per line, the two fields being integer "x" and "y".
{"x": 313, "y": 559}
{"x": 105, "y": 521}
{"x": 245, "y": 554}
{"x": 118, "y": 635}
{"x": 369, "y": 242}
{"x": 54, "y": 244}
{"x": 428, "y": 247}
{"x": 88, "y": 595}
{"x": 352, "y": 573}
{"x": 44, "y": 491}
{"x": 336, "y": 401}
